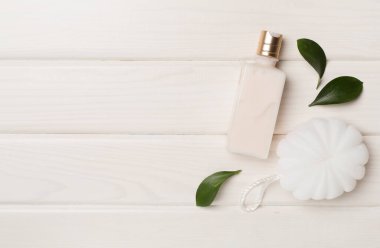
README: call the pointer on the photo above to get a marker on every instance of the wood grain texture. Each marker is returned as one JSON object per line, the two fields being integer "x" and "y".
{"x": 193, "y": 227}
{"x": 96, "y": 152}
{"x": 187, "y": 29}
{"x": 162, "y": 97}
{"x": 144, "y": 170}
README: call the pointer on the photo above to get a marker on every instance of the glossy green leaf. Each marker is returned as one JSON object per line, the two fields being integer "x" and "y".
{"x": 210, "y": 186}
{"x": 339, "y": 90}
{"x": 314, "y": 55}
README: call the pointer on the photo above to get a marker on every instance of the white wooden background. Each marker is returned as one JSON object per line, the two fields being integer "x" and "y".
{"x": 113, "y": 111}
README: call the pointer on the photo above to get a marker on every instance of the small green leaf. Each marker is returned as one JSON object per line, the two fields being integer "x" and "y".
{"x": 209, "y": 187}
{"x": 314, "y": 55}
{"x": 339, "y": 90}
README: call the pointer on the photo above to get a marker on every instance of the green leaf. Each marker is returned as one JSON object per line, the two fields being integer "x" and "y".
{"x": 209, "y": 187}
{"x": 314, "y": 55}
{"x": 339, "y": 90}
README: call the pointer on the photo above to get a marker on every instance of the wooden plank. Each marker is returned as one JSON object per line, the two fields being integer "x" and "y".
{"x": 162, "y": 97}
{"x": 184, "y": 29}
{"x": 193, "y": 227}
{"x": 300, "y": 91}
{"x": 144, "y": 170}
{"x": 116, "y": 97}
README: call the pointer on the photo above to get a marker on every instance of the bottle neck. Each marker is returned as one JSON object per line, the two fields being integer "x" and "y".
{"x": 264, "y": 60}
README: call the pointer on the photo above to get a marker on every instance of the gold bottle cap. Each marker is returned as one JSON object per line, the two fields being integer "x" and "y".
{"x": 269, "y": 44}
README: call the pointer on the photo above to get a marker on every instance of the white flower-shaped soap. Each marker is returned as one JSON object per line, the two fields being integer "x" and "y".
{"x": 322, "y": 159}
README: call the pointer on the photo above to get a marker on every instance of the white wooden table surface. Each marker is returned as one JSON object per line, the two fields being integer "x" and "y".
{"x": 113, "y": 111}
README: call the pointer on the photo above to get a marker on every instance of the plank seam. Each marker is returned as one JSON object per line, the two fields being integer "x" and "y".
{"x": 127, "y": 208}
{"x": 79, "y": 59}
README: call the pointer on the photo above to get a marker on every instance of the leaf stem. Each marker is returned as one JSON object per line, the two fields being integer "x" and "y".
{"x": 319, "y": 83}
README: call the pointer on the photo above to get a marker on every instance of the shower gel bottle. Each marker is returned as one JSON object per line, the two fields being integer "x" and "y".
{"x": 261, "y": 86}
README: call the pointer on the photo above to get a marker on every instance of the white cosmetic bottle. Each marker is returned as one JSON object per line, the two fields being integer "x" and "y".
{"x": 258, "y": 102}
